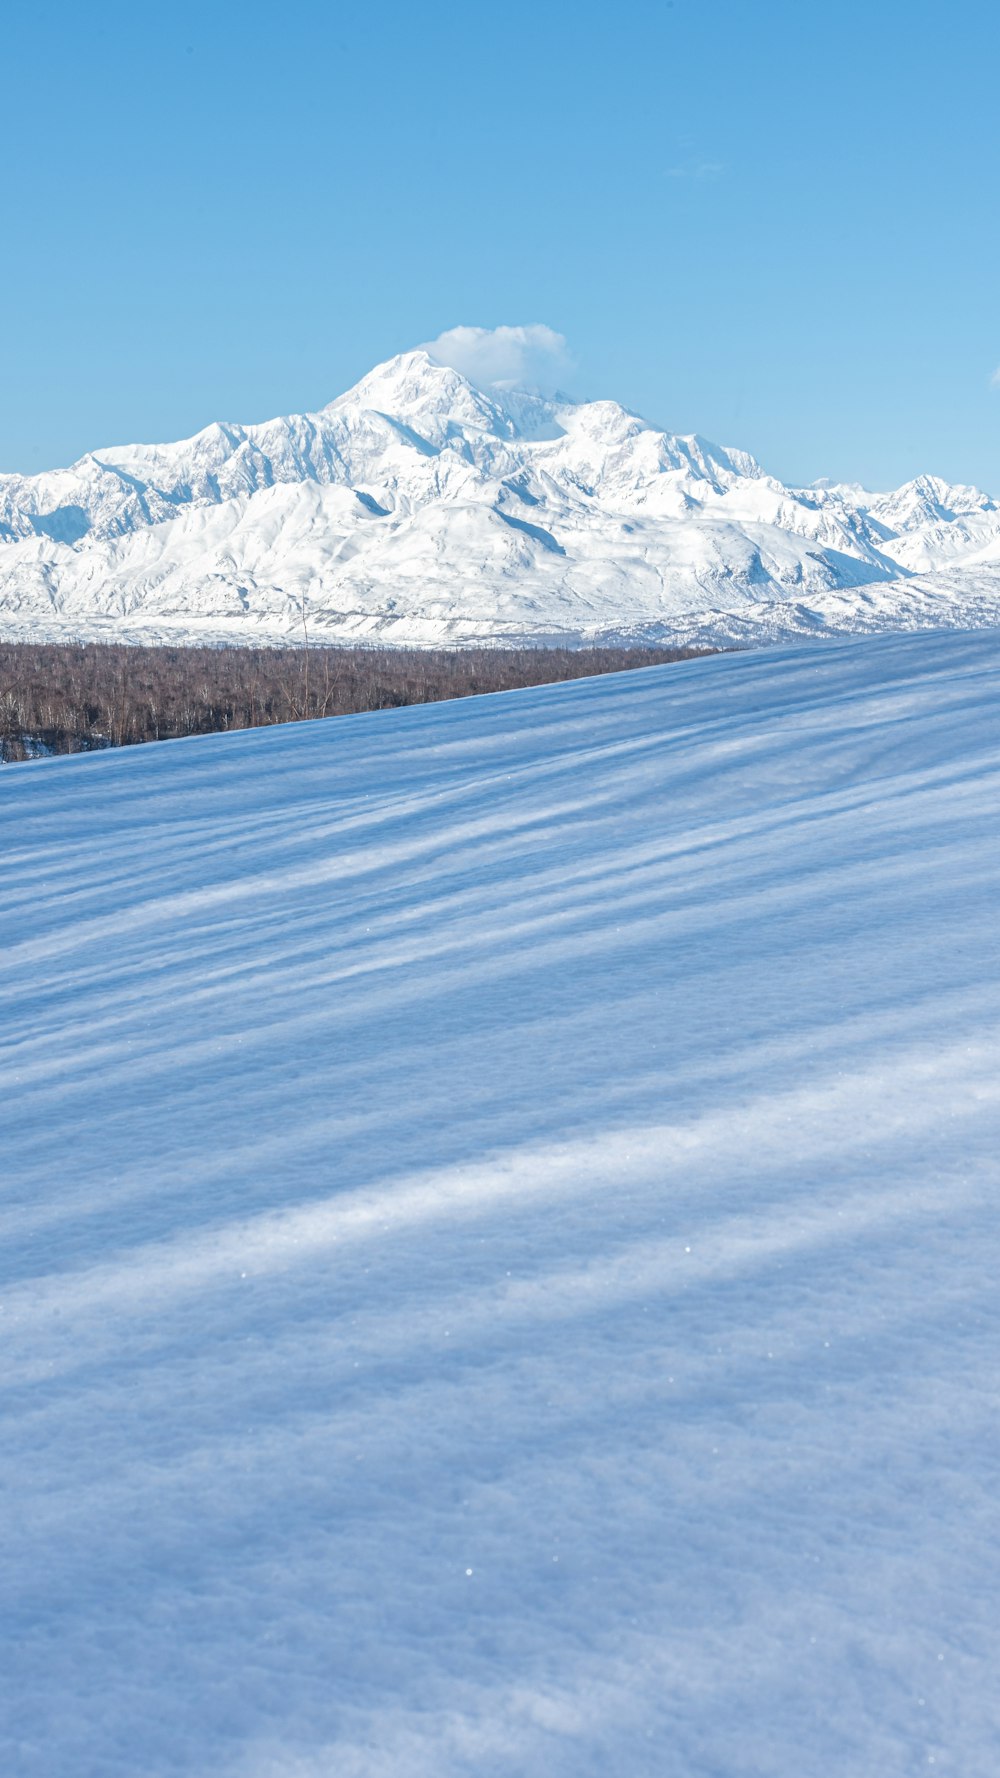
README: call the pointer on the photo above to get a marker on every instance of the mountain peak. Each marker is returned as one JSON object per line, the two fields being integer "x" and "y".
{"x": 407, "y": 380}
{"x": 437, "y": 400}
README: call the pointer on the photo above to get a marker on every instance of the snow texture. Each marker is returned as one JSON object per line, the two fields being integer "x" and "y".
{"x": 420, "y": 509}
{"x": 500, "y": 1235}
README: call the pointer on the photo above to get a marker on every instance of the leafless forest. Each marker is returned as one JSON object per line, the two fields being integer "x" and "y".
{"x": 73, "y": 698}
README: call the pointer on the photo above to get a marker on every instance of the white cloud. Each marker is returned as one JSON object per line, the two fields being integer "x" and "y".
{"x": 696, "y": 169}
{"x": 995, "y": 379}
{"x": 530, "y": 357}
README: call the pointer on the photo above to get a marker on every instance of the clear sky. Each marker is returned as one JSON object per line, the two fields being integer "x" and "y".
{"x": 774, "y": 224}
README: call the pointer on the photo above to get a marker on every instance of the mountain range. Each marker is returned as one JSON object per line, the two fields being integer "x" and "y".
{"x": 418, "y": 508}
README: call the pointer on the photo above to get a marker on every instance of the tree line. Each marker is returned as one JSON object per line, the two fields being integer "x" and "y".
{"x": 75, "y": 697}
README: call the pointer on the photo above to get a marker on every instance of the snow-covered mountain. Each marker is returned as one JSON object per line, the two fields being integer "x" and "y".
{"x": 419, "y": 508}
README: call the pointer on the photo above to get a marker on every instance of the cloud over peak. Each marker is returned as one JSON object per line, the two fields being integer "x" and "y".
{"x": 534, "y": 356}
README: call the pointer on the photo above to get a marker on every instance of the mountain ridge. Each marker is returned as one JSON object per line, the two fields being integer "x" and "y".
{"x": 418, "y": 506}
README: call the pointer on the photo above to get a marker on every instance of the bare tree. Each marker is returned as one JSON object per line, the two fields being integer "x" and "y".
{"x": 65, "y": 697}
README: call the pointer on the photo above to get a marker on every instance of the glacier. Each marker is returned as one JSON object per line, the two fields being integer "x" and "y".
{"x": 499, "y": 1234}
{"x": 420, "y": 509}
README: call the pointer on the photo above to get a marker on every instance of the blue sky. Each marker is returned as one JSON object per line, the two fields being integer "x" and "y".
{"x": 774, "y": 225}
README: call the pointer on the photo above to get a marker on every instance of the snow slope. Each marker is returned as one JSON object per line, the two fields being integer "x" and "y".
{"x": 499, "y": 1235}
{"x": 418, "y": 508}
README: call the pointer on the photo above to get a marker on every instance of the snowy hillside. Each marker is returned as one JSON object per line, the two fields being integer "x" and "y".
{"x": 418, "y": 508}
{"x": 500, "y": 1233}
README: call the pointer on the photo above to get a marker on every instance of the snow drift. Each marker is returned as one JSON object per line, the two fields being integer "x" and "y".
{"x": 417, "y": 508}
{"x": 500, "y": 1237}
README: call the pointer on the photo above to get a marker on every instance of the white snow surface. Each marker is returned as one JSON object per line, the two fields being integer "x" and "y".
{"x": 420, "y": 509}
{"x": 500, "y": 1235}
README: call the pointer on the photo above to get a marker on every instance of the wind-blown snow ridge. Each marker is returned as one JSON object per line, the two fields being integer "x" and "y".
{"x": 499, "y": 1236}
{"x": 419, "y": 508}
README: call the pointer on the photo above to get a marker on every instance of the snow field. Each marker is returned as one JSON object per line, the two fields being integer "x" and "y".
{"x": 499, "y": 1235}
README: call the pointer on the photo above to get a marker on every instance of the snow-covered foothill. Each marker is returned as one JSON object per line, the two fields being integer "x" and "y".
{"x": 417, "y": 508}
{"x": 499, "y": 1235}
